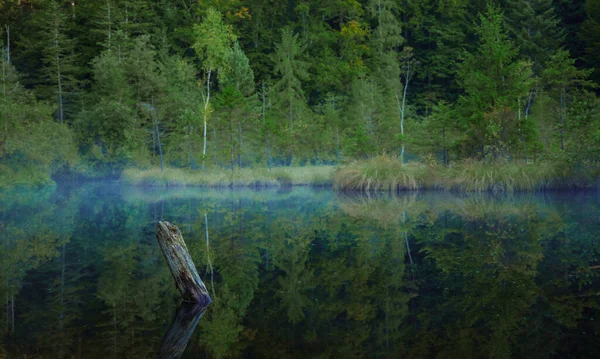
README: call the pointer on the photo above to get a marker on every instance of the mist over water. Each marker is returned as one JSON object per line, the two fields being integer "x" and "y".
{"x": 301, "y": 272}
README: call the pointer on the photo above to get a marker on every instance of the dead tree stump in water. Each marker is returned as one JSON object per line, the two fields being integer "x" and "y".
{"x": 180, "y": 263}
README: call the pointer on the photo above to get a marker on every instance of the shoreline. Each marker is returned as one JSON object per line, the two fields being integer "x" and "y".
{"x": 381, "y": 174}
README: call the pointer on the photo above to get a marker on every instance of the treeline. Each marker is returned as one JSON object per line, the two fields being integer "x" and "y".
{"x": 92, "y": 87}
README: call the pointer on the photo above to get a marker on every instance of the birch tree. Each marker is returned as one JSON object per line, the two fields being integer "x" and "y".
{"x": 212, "y": 43}
{"x": 409, "y": 65}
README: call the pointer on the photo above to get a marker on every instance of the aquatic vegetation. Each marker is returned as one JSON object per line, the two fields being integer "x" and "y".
{"x": 246, "y": 177}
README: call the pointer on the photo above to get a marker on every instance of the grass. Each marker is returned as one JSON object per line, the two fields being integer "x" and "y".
{"x": 476, "y": 176}
{"x": 381, "y": 173}
{"x": 386, "y": 173}
{"x": 246, "y": 177}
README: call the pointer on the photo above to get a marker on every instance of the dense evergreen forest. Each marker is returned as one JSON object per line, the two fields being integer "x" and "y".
{"x": 89, "y": 88}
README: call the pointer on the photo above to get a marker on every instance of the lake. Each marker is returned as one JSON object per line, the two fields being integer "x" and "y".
{"x": 301, "y": 272}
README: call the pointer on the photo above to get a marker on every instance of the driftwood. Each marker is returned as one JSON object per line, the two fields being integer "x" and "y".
{"x": 177, "y": 337}
{"x": 187, "y": 280}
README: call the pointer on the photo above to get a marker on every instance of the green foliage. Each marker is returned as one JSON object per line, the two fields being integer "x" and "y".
{"x": 536, "y": 29}
{"x": 213, "y": 40}
{"x": 57, "y": 58}
{"x": 32, "y": 145}
{"x": 590, "y": 36}
{"x": 494, "y": 82}
{"x": 291, "y": 68}
{"x": 180, "y": 82}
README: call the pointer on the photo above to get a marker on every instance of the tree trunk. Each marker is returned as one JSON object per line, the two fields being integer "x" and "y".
{"x": 337, "y": 144}
{"x": 240, "y": 144}
{"x": 522, "y": 132}
{"x": 206, "y": 103}
{"x": 444, "y": 150}
{"x": 212, "y": 272}
{"x": 527, "y": 108}
{"x": 109, "y": 22}
{"x": 232, "y": 144}
{"x": 406, "y": 239}
{"x": 180, "y": 263}
{"x": 265, "y": 127}
{"x": 293, "y": 143}
{"x": 60, "y": 94}
{"x": 190, "y": 130}
{"x": 402, "y": 112}
{"x": 160, "y": 154}
{"x": 215, "y": 145}
{"x": 12, "y": 314}
{"x": 562, "y": 119}
{"x": 7, "y": 43}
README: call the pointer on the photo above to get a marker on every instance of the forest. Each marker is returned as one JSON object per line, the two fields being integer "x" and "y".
{"x": 94, "y": 89}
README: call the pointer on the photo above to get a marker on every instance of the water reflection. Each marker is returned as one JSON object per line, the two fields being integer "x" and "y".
{"x": 304, "y": 273}
{"x": 180, "y": 332}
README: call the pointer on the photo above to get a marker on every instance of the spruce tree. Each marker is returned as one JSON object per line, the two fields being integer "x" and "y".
{"x": 495, "y": 83}
{"x": 590, "y": 35}
{"x": 239, "y": 100}
{"x": 561, "y": 77}
{"x": 535, "y": 28}
{"x": 291, "y": 68}
{"x": 58, "y": 59}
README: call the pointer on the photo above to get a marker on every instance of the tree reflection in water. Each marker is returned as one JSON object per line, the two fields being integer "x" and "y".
{"x": 300, "y": 273}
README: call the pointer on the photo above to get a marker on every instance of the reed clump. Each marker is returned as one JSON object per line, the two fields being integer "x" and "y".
{"x": 381, "y": 173}
{"x": 478, "y": 176}
{"x": 387, "y": 173}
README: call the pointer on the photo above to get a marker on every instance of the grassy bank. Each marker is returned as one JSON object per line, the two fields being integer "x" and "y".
{"x": 386, "y": 173}
{"x": 246, "y": 177}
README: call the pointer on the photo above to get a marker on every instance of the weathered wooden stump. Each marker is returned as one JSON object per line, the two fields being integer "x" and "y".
{"x": 182, "y": 267}
{"x": 177, "y": 337}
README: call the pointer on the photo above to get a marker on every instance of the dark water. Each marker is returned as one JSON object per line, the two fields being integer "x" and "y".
{"x": 302, "y": 273}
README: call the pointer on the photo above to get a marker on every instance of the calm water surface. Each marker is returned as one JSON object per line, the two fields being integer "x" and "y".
{"x": 301, "y": 273}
